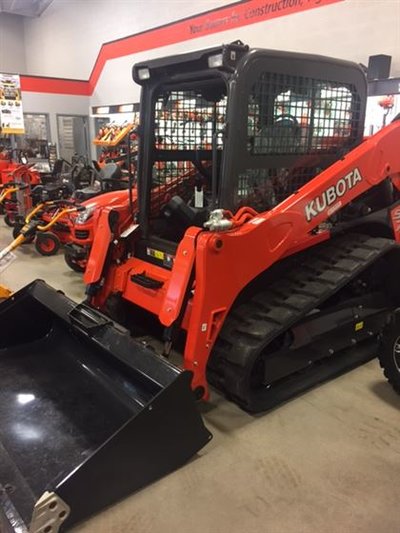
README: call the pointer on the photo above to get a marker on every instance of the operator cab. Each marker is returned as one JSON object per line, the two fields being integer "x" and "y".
{"x": 229, "y": 127}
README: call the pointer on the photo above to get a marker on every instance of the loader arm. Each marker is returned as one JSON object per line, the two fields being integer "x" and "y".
{"x": 367, "y": 165}
{"x": 102, "y": 239}
{"x": 245, "y": 252}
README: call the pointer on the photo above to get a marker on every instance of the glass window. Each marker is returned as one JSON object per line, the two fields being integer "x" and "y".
{"x": 298, "y": 115}
{"x": 37, "y": 135}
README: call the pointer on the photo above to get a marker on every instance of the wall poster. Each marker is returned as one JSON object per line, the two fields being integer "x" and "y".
{"x": 11, "y": 114}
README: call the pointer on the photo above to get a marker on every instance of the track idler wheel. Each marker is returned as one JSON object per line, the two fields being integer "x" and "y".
{"x": 9, "y": 219}
{"x": 389, "y": 352}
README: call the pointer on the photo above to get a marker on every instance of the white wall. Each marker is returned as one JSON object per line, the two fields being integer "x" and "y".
{"x": 54, "y": 104}
{"x": 353, "y": 30}
{"x": 12, "y": 44}
{"x": 65, "y": 40}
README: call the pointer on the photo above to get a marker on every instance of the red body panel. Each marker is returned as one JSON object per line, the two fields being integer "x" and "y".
{"x": 111, "y": 200}
{"x": 71, "y": 231}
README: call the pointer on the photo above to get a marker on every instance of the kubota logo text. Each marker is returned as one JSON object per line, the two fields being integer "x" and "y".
{"x": 333, "y": 193}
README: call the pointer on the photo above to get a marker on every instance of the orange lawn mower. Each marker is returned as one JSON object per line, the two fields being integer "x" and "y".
{"x": 54, "y": 196}
{"x": 86, "y": 223}
{"x": 6, "y": 166}
{"x": 10, "y": 188}
{"x": 7, "y": 190}
{"x": 8, "y": 163}
{"x": 39, "y": 187}
{"x": 34, "y": 229}
{"x": 11, "y": 194}
{"x": 19, "y": 201}
{"x": 58, "y": 188}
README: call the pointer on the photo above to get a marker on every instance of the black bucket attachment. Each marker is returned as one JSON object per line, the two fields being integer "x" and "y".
{"x": 87, "y": 414}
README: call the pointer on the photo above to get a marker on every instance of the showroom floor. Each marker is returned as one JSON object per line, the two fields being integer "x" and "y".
{"x": 328, "y": 461}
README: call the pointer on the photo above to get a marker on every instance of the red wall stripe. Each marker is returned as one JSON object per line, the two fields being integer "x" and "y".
{"x": 38, "y": 84}
{"x": 226, "y": 18}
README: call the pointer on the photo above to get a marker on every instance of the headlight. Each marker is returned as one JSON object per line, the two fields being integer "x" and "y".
{"x": 215, "y": 61}
{"x": 84, "y": 216}
{"x": 144, "y": 73}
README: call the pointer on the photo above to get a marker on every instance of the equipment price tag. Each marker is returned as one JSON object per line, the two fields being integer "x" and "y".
{"x": 6, "y": 261}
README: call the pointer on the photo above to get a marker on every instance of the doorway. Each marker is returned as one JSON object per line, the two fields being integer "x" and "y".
{"x": 73, "y": 136}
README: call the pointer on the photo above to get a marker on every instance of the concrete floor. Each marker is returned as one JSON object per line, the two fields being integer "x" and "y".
{"x": 328, "y": 461}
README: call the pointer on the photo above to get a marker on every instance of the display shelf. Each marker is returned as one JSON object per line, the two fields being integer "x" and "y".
{"x": 103, "y": 141}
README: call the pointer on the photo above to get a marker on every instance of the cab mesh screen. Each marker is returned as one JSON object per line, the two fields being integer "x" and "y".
{"x": 297, "y": 115}
{"x": 184, "y": 121}
{"x": 293, "y": 116}
{"x": 184, "y": 125}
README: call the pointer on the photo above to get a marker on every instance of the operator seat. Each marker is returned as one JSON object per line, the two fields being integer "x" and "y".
{"x": 281, "y": 137}
{"x": 111, "y": 171}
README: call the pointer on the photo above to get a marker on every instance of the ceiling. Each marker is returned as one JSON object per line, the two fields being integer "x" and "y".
{"x": 25, "y": 8}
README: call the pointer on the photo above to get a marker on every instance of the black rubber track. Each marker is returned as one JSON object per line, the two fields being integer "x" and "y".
{"x": 251, "y": 327}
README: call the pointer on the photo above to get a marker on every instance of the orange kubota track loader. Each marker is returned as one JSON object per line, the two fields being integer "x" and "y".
{"x": 263, "y": 251}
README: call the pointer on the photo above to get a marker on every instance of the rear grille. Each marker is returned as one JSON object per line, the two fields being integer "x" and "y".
{"x": 81, "y": 234}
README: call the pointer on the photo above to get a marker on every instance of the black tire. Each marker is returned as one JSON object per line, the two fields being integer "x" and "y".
{"x": 47, "y": 243}
{"x": 10, "y": 221}
{"x": 73, "y": 264}
{"x": 15, "y": 232}
{"x": 389, "y": 352}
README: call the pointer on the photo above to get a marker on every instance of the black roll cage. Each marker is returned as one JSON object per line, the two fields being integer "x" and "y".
{"x": 240, "y": 68}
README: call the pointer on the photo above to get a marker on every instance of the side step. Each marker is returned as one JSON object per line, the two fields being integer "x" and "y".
{"x": 87, "y": 414}
{"x": 256, "y": 324}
